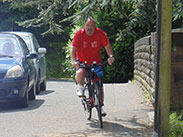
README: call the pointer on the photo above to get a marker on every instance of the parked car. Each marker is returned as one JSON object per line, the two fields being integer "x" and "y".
{"x": 17, "y": 71}
{"x": 39, "y": 62}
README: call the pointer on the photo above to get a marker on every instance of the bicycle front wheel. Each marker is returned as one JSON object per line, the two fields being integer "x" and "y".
{"x": 88, "y": 110}
{"x": 98, "y": 101}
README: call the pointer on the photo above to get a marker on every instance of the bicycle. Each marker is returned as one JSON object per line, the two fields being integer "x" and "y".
{"x": 93, "y": 90}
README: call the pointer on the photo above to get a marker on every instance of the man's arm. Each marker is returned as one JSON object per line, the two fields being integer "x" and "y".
{"x": 73, "y": 57}
{"x": 110, "y": 53}
{"x": 109, "y": 50}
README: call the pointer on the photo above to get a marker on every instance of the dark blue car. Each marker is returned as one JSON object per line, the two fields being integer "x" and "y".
{"x": 17, "y": 71}
{"x": 39, "y": 62}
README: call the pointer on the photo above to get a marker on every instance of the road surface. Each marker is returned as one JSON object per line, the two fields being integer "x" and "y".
{"x": 57, "y": 112}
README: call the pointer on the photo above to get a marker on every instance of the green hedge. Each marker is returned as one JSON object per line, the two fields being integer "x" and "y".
{"x": 55, "y": 59}
{"x": 176, "y": 125}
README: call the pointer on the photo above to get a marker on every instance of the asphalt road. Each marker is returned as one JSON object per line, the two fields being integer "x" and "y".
{"x": 57, "y": 112}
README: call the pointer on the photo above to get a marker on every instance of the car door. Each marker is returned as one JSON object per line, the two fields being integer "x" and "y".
{"x": 41, "y": 61}
{"x": 29, "y": 62}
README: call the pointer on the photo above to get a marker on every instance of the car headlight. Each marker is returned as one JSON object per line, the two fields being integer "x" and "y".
{"x": 14, "y": 72}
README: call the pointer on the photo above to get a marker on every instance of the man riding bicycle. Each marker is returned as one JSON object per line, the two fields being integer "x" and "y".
{"x": 86, "y": 47}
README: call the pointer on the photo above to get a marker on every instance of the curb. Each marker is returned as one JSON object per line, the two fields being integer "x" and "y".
{"x": 60, "y": 79}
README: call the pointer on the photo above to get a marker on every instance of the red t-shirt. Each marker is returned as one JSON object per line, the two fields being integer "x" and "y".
{"x": 89, "y": 47}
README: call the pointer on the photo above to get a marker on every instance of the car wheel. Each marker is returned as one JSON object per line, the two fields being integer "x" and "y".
{"x": 23, "y": 103}
{"x": 43, "y": 85}
{"x": 32, "y": 93}
{"x": 38, "y": 86}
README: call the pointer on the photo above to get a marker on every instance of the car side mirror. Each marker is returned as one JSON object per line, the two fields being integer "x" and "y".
{"x": 32, "y": 56}
{"x": 42, "y": 50}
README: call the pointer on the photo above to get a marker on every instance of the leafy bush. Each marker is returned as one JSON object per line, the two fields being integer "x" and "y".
{"x": 55, "y": 59}
{"x": 176, "y": 125}
{"x": 67, "y": 64}
{"x": 123, "y": 45}
{"x": 122, "y": 69}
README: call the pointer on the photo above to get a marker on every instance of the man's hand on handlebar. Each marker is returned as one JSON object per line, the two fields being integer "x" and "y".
{"x": 110, "y": 60}
{"x": 75, "y": 65}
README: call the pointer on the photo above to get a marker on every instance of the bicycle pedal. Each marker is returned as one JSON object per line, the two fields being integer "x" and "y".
{"x": 82, "y": 96}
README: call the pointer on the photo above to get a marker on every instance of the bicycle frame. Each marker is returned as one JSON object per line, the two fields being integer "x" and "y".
{"x": 94, "y": 85}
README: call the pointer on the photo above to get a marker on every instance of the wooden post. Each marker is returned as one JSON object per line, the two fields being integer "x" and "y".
{"x": 164, "y": 78}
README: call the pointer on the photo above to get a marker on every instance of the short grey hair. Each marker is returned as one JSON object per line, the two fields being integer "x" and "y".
{"x": 89, "y": 18}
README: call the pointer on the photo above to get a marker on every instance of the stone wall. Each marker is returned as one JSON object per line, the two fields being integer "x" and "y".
{"x": 145, "y": 58}
{"x": 145, "y": 62}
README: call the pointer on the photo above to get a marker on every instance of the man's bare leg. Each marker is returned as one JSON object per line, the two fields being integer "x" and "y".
{"x": 80, "y": 76}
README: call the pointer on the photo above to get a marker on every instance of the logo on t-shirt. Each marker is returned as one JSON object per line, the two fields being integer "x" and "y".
{"x": 84, "y": 44}
{"x": 94, "y": 44}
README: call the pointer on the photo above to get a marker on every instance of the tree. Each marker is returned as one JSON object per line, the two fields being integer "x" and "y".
{"x": 124, "y": 21}
{"x": 7, "y": 18}
{"x": 50, "y": 13}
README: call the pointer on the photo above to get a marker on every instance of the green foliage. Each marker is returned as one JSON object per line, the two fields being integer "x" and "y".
{"x": 122, "y": 38}
{"x": 140, "y": 14}
{"x": 55, "y": 58}
{"x": 111, "y": 22}
{"x": 177, "y": 13}
{"x": 7, "y": 17}
{"x": 68, "y": 69}
{"x": 176, "y": 125}
{"x": 142, "y": 19}
{"x": 49, "y": 14}
{"x": 124, "y": 21}
{"x": 10, "y": 16}
{"x": 122, "y": 69}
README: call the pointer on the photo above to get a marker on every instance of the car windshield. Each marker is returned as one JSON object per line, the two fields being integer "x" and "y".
{"x": 9, "y": 47}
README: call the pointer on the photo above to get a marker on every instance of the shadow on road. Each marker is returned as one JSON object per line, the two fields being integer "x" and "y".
{"x": 12, "y": 106}
{"x": 46, "y": 92}
{"x": 33, "y": 104}
{"x": 121, "y": 128}
{"x": 118, "y": 128}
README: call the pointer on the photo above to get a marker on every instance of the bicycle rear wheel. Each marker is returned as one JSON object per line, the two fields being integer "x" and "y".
{"x": 98, "y": 100}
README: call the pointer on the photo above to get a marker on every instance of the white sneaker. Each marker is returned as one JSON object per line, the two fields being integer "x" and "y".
{"x": 79, "y": 92}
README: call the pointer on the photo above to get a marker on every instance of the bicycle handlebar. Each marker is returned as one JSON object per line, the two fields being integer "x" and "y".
{"x": 85, "y": 65}
{"x": 94, "y": 69}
